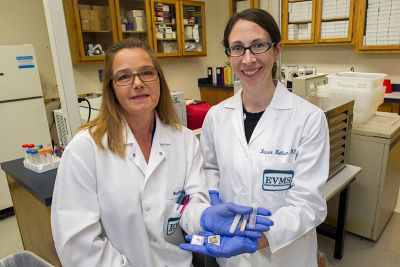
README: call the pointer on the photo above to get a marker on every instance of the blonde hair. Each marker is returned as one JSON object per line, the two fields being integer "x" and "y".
{"x": 110, "y": 120}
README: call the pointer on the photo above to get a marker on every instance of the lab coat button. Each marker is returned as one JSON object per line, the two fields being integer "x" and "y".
{"x": 134, "y": 155}
{"x": 244, "y": 190}
{"x": 147, "y": 209}
{"x": 160, "y": 153}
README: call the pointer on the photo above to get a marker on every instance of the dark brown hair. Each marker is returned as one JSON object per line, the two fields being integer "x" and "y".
{"x": 110, "y": 119}
{"x": 263, "y": 19}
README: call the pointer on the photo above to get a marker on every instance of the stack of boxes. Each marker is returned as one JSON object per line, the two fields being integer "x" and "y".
{"x": 334, "y": 29}
{"x": 382, "y": 23}
{"x": 242, "y": 5}
{"x": 299, "y": 11}
{"x": 335, "y": 9}
{"x": 299, "y": 31}
{"x": 164, "y": 15}
{"x": 135, "y": 20}
{"x": 94, "y": 18}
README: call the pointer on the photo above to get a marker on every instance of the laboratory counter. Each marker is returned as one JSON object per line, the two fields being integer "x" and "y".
{"x": 40, "y": 185}
{"x": 213, "y": 93}
{"x": 31, "y": 195}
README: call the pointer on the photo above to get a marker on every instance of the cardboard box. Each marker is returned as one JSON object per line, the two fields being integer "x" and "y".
{"x": 134, "y": 13}
{"x": 94, "y": 20}
{"x": 84, "y": 7}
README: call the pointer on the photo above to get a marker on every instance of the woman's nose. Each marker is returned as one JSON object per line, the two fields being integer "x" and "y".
{"x": 248, "y": 57}
{"x": 137, "y": 82}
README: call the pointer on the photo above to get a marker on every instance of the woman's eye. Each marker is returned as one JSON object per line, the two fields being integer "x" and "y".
{"x": 236, "y": 48}
{"x": 123, "y": 77}
{"x": 259, "y": 45}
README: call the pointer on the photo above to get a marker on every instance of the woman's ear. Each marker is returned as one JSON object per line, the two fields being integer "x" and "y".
{"x": 278, "y": 50}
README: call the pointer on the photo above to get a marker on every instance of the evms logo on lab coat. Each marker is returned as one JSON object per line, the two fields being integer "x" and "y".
{"x": 275, "y": 180}
{"x": 172, "y": 225}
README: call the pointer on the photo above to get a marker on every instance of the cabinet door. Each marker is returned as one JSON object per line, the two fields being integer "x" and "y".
{"x": 193, "y": 27}
{"x": 133, "y": 20}
{"x": 378, "y": 27}
{"x": 96, "y": 29}
{"x": 236, "y": 6}
{"x": 166, "y": 33}
{"x": 334, "y": 21}
{"x": 298, "y": 19}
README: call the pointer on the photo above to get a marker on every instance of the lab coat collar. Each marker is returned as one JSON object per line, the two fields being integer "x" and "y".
{"x": 161, "y": 134}
{"x": 282, "y": 99}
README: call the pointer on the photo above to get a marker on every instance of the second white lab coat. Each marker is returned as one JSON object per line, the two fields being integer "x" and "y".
{"x": 283, "y": 168}
{"x": 114, "y": 211}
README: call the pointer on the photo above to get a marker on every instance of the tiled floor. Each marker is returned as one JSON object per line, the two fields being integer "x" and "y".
{"x": 357, "y": 251}
{"x": 10, "y": 239}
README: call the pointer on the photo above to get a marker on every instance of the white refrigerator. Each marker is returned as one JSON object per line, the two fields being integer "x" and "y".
{"x": 22, "y": 111}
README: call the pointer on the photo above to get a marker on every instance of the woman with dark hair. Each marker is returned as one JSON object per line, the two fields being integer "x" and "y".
{"x": 132, "y": 177}
{"x": 267, "y": 146}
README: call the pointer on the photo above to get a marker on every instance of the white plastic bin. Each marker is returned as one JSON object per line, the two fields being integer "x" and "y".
{"x": 356, "y": 80}
{"x": 366, "y": 103}
{"x": 24, "y": 259}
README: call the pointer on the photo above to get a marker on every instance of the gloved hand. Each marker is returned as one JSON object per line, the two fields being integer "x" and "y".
{"x": 218, "y": 219}
{"x": 229, "y": 246}
{"x": 214, "y": 196}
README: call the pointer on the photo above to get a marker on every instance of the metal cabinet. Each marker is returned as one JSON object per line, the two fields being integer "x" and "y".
{"x": 375, "y": 147}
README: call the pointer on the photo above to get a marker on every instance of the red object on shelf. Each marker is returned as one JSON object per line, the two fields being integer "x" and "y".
{"x": 195, "y": 115}
{"x": 388, "y": 86}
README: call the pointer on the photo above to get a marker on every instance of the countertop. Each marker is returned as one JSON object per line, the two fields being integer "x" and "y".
{"x": 40, "y": 185}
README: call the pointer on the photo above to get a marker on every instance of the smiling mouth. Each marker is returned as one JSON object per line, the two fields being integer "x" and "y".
{"x": 251, "y": 72}
{"x": 139, "y": 97}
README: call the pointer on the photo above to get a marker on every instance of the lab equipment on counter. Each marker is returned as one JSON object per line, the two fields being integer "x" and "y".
{"x": 365, "y": 88}
{"x": 39, "y": 159}
{"x": 290, "y": 72}
{"x": 308, "y": 85}
{"x": 22, "y": 110}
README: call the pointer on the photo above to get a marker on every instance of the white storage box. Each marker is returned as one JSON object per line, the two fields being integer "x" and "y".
{"x": 366, "y": 103}
{"x": 354, "y": 80}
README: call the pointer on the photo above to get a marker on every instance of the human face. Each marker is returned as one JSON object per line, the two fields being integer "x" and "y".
{"x": 253, "y": 70}
{"x": 139, "y": 97}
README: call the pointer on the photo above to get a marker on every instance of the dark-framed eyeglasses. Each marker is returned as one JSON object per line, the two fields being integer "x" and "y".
{"x": 127, "y": 78}
{"x": 256, "y": 48}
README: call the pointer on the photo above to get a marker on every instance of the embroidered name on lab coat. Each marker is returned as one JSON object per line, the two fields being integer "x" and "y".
{"x": 276, "y": 180}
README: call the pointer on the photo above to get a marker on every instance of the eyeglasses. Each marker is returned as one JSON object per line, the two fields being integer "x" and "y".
{"x": 256, "y": 48}
{"x": 127, "y": 78}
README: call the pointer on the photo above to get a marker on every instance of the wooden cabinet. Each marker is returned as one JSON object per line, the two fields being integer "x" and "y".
{"x": 132, "y": 19}
{"x": 91, "y": 26}
{"x": 378, "y": 27}
{"x": 178, "y": 28}
{"x": 171, "y": 27}
{"x": 214, "y": 95}
{"x": 193, "y": 28}
{"x": 334, "y": 21}
{"x": 317, "y": 21}
{"x": 236, "y": 6}
{"x": 298, "y": 21}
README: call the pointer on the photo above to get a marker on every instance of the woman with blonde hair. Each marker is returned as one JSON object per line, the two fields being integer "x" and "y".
{"x": 131, "y": 178}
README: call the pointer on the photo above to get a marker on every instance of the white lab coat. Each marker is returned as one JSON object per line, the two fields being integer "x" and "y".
{"x": 283, "y": 168}
{"x": 113, "y": 211}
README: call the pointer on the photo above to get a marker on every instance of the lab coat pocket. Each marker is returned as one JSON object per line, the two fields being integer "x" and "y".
{"x": 172, "y": 229}
{"x": 274, "y": 182}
